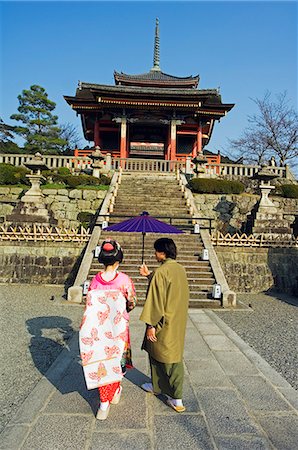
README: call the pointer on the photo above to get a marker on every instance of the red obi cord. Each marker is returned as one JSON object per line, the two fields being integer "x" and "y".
{"x": 107, "y": 392}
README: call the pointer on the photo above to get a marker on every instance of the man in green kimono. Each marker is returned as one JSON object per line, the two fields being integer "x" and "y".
{"x": 165, "y": 314}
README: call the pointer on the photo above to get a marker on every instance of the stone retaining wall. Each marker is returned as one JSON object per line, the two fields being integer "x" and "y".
{"x": 65, "y": 204}
{"x": 259, "y": 269}
{"x": 231, "y": 211}
{"x": 40, "y": 263}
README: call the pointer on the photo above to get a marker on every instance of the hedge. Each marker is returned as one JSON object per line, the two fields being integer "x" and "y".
{"x": 289, "y": 190}
{"x": 215, "y": 186}
{"x": 12, "y": 175}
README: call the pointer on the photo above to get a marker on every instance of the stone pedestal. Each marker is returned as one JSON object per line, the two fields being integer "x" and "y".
{"x": 32, "y": 208}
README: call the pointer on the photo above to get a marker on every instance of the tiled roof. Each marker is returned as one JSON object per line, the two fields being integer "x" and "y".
{"x": 155, "y": 77}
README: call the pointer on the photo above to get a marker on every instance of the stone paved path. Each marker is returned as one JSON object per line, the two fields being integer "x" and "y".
{"x": 234, "y": 400}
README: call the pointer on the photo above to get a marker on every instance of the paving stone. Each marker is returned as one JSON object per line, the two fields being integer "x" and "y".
{"x": 121, "y": 440}
{"x": 206, "y": 373}
{"x": 281, "y": 430}
{"x": 235, "y": 363}
{"x": 225, "y": 412}
{"x": 259, "y": 394}
{"x": 59, "y": 433}
{"x": 181, "y": 432}
{"x": 130, "y": 413}
{"x": 291, "y": 395}
{"x": 200, "y": 318}
{"x": 195, "y": 347}
{"x": 243, "y": 443}
{"x": 12, "y": 436}
{"x": 32, "y": 405}
{"x": 208, "y": 328}
{"x": 220, "y": 343}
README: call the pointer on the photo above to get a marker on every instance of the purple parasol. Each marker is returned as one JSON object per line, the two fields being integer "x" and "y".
{"x": 144, "y": 223}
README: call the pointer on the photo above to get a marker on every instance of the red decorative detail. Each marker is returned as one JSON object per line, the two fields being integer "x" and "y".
{"x": 108, "y": 247}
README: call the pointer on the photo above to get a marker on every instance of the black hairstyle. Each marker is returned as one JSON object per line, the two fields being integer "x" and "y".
{"x": 108, "y": 256}
{"x": 166, "y": 246}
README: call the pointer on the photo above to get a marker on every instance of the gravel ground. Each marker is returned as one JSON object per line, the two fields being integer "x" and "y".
{"x": 34, "y": 329}
{"x": 269, "y": 326}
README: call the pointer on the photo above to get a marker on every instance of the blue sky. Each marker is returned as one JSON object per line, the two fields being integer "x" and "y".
{"x": 245, "y": 48}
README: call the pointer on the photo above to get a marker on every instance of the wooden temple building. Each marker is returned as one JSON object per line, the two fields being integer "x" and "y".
{"x": 152, "y": 115}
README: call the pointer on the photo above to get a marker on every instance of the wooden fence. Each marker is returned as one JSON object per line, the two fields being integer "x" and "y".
{"x": 37, "y": 233}
{"x": 244, "y": 240}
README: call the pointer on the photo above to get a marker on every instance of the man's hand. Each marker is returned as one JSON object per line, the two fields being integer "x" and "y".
{"x": 144, "y": 271}
{"x": 150, "y": 334}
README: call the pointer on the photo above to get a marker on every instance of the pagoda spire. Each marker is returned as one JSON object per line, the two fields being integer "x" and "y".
{"x": 156, "y": 48}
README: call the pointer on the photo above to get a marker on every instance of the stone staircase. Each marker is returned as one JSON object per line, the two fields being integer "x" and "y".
{"x": 161, "y": 196}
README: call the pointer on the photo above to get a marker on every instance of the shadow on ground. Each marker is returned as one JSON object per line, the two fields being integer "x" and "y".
{"x": 49, "y": 336}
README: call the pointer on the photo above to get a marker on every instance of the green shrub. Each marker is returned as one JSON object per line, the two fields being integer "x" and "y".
{"x": 63, "y": 171}
{"x": 289, "y": 190}
{"x": 11, "y": 175}
{"x": 215, "y": 186}
{"x": 85, "y": 218}
{"x": 105, "y": 180}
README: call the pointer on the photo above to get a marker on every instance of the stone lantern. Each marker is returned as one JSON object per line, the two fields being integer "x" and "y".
{"x": 32, "y": 209}
{"x": 36, "y": 165}
{"x": 97, "y": 161}
{"x": 199, "y": 161}
{"x": 265, "y": 175}
{"x": 269, "y": 220}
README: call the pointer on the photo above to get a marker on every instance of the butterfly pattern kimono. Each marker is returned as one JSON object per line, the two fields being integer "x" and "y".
{"x": 104, "y": 334}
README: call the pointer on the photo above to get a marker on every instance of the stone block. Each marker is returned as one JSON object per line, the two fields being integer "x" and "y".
{"x": 180, "y": 432}
{"x": 259, "y": 394}
{"x": 75, "y": 294}
{"x": 226, "y": 412}
{"x": 62, "y": 198}
{"x": 281, "y": 430}
{"x": 248, "y": 442}
{"x": 4, "y": 190}
{"x": 235, "y": 363}
{"x": 75, "y": 193}
{"x": 89, "y": 195}
{"x": 58, "y": 432}
{"x": 50, "y": 192}
{"x": 84, "y": 205}
{"x": 220, "y": 343}
{"x": 121, "y": 440}
{"x": 207, "y": 373}
{"x": 12, "y": 437}
{"x": 63, "y": 192}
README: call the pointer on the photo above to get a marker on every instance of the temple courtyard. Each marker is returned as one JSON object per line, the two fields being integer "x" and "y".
{"x": 240, "y": 379}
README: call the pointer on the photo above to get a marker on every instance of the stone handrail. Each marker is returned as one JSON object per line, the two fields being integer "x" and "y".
{"x": 153, "y": 165}
{"x": 52, "y": 161}
{"x": 228, "y": 296}
{"x": 75, "y": 293}
{"x": 146, "y": 165}
{"x": 244, "y": 170}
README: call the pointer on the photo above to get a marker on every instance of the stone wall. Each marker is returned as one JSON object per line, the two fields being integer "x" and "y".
{"x": 65, "y": 204}
{"x": 232, "y": 211}
{"x": 43, "y": 262}
{"x": 259, "y": 269}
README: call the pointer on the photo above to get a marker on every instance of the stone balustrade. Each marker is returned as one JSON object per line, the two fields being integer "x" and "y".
{"x": 77, "y": 163}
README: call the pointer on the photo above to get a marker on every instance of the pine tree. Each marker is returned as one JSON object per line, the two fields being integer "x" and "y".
{"x": 39, "y": 129}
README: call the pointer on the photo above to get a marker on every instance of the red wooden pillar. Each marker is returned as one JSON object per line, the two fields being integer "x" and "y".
{"x": 199, "y": 138}
{"x": 173, "y": 140}
{"x": 168, "y": 148}
{"x": 123, "y": 138}
{"x": 96, "y": 133}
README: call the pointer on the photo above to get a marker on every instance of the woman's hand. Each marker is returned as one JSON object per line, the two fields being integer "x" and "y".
{"x": 150, "y": 334}
{"x": 144, "y": 271}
